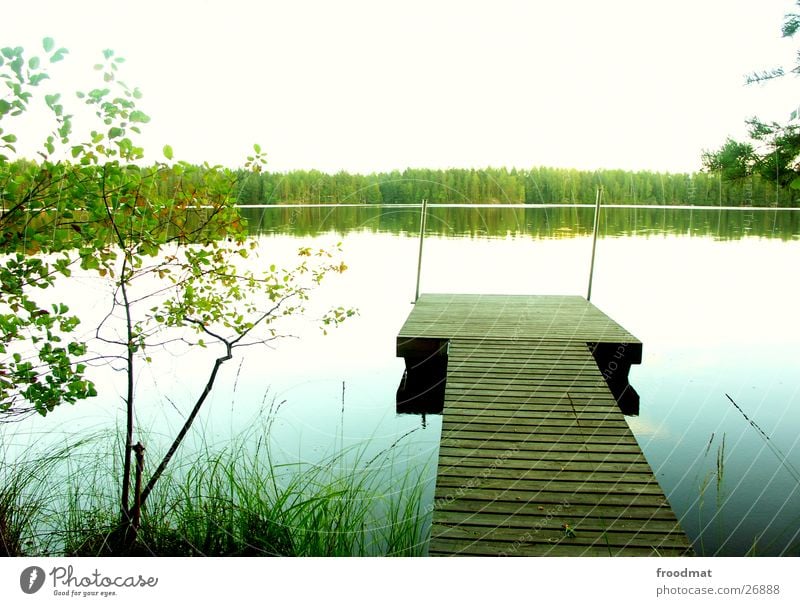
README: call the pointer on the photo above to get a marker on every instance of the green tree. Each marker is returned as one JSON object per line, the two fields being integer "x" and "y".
{"x": 773, "y": 152}
{"x": 175, "y": 258}
{"x": 733, "y": 161}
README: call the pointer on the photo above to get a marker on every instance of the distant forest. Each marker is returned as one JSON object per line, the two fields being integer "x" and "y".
{"x": 487, "y": 186}
{"x": 503, "y": 186}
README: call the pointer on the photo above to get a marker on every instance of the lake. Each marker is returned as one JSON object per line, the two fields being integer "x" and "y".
{"x": 712, "y": 293}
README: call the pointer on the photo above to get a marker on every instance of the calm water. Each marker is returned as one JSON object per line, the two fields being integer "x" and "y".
{"x": 712, "y": 294}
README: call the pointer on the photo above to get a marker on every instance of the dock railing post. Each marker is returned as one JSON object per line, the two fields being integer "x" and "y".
{"x": 598, "y": 199}
{"x": 422, "y": 221}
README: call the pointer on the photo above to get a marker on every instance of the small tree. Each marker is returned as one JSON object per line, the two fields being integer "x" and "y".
{"x": 733, "y": 161}
{"x": 170, "y": 241}
{"x": 774, "y": 150}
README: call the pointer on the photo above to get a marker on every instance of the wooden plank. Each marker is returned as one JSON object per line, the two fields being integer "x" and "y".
{"x": 556, "y": 522}
{"x": 554, "y": 426}
{"x": 587, "y": 476}
{"x": 514, "y": 465}
{"x": 526, "y": 420}
{"x": 617, "y": 542}
{"x": 643, "y": 513}
{"x": 459, "y": 547}
{"x": 535, "y": 485}
{"x": 508, "y": 454}
{"x": 527, "y": 438}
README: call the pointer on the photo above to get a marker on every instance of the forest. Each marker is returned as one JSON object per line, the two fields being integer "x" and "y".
{"x": 503, "y": 186}
{"x": 481, "y": 186}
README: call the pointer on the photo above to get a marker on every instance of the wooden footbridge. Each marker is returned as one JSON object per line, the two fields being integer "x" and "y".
{"x": 536, "y": 457}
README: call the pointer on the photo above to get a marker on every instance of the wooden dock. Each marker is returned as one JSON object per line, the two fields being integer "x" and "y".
{"x": 536, "y": 457}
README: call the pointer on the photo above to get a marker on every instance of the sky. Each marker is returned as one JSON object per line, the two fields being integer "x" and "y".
{"x": 368, "y": 86}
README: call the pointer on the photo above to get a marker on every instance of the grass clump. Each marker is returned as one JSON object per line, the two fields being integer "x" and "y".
{"x": 232, "y": 501}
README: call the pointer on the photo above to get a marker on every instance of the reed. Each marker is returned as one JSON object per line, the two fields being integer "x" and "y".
{"x": 232, "y": 500}
{"x": 718, "y": 476}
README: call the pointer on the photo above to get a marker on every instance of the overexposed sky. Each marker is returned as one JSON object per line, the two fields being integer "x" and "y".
{"x": 369, "y": 85}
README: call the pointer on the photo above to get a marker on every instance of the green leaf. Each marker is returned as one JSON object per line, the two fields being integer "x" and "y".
{"x": 795, "y": 184}
{"x": 33, "y": 63}
{"x": 257, "y": 148}
{"x": 108, "y": 53}
{"x": 36, "y": 78}
{"x": 98, "y": 93}
{"x": 168, "y": 152}
{"x": 47, "y": 44}
{"x": 138, "y": 116}
{"x": 58, "y": 55}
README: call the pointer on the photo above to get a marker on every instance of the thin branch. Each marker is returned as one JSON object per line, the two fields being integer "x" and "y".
{"x": 206, "y": 330}
{"x": 266, "y": 341}
{"x": 188, "y": 423}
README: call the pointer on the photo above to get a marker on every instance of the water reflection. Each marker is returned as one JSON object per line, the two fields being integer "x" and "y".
{"x": 538, "y": 222}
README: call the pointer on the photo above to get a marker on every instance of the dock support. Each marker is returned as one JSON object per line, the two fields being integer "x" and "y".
{"x": 598, "y": 199}
{"x": 422, "y": 222}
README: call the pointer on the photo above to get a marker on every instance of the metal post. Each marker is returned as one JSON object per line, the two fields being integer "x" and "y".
{"x": 598, "y": 199}
{"x": 422, "y": 221}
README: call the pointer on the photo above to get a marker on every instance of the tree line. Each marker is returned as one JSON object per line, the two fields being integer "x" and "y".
{"x": 480, "y": 186}
{"x": 541, "y": 185}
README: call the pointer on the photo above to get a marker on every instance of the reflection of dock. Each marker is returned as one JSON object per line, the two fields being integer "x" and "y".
{"x": 536, "y": 457}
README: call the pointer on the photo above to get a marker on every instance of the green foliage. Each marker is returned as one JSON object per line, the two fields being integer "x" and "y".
{"x": 173, "y": 255}
{"x": 543, "y": 185}
{"x": 733, "y": 161}
{"x": 775, "y": 150}
{"x": 44, "y": 376}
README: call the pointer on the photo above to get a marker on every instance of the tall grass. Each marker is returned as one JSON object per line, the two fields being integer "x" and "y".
{"x": 27, "y": 497}
{"x": 718, "y": 475}
{"x": 226, "y": 501}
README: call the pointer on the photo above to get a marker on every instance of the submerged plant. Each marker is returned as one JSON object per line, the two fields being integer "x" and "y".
{"x": 718, "y": 475}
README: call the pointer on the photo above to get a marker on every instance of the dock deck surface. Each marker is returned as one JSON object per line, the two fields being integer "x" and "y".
{"x": 535, "y": 456}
